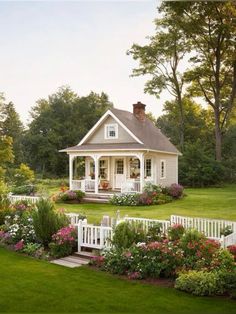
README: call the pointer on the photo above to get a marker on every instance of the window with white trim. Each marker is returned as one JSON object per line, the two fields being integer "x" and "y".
{"x": 148, "y": 167}
{"x": 111, "y": 131}
{"x": 163, "y": 169}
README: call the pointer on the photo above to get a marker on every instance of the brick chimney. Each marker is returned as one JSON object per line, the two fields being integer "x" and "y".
{"x": 139, "y": 111}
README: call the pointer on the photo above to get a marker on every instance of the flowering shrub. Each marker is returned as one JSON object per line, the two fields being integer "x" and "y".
{"x": 152, "y": 195}
{"x": 97, "y": 261}
{"x": 232, "y": 250}
{"x": 175, "y": 232}
{"x": 175, "y": 190}
{"x": 63, "y": 242}
{"x": 125, "y": 199}
{"x": 20, "y": 227}
{"x": 155, "y": 259}
{"x": 19, "y": 245}
{"x": 69, "y": 195}
{"x": 21, "y": 206}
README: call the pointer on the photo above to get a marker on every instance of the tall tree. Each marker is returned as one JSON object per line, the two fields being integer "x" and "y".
{"x": 198, "y": 123}
{"x": 210, "y": 30}
{"x": 58, "y": 122}
{"x": 6, "y": 153}
{"x": 12, "y": 126}
{"x": 161, "y": 60}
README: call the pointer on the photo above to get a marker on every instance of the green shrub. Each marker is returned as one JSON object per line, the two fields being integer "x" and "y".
{"x": 154, "y": 232}
{"x": 126, "y": 234}
{"x": 47, "y": 221}
{"x": 5, "y": 207}
{"x": 24, "y": 190}
{"x": 198, "y": 283}
{"x": 222, "y": 260}
{"x": 207, "y": 283}
{"x": 23, "y": 175}
{"x": 31, "y": 248}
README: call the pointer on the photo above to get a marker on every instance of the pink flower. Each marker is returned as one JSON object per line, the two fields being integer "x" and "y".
{"x": 19, "y": 245}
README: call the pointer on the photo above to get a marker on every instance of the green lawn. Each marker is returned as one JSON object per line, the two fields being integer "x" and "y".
{"x": 28, "y": 285}
{"x": 208, "y": 202}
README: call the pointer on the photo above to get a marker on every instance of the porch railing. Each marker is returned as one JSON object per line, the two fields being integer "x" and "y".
{"x": 130, "y": 186}
{"x": 85, "y": 185}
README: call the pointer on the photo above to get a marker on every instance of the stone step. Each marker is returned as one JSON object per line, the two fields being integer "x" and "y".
{"x": 71, "y": 261}
{"x": 84, "y": 255}
{"x": 76, "y": 259}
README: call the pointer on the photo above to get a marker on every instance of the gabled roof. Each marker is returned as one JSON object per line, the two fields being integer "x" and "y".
{"x": 146, "y": 135}
{"x": 146, "y": 131}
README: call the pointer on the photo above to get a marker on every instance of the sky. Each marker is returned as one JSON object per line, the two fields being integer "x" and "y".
{"x": 82, "y": 44}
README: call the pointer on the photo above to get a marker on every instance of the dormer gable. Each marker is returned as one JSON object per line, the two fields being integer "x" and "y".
{"x": 109, "y": 129}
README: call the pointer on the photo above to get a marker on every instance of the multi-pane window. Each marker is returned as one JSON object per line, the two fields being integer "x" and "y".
{"x": 111, "y": 131}
{"x": 163, "y": 169}
{"x": 148, "y": 167}
{"x": 119, "y": 166}
{"x": 103, "y": 166}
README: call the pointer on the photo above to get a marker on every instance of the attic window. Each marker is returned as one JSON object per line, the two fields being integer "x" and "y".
{"x": 111, "y": 131}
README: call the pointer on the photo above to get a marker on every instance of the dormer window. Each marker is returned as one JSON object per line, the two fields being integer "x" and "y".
{"x": 111, "y": 131}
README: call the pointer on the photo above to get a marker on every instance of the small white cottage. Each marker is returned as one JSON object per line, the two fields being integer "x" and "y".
{"x": 121, "y": 153}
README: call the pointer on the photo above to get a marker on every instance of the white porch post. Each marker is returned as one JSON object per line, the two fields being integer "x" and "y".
{"x": 96, "y": 163}
{"x": 141, "y": 158}
{"x": 71, "y": 159}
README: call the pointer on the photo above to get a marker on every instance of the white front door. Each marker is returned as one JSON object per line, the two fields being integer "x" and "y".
{"x": 119, "y": 172}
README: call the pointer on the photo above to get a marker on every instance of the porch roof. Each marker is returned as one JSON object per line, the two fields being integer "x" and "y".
{"x": 102, "y": 147}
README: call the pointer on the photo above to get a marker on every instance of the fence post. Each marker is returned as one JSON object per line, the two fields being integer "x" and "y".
{"x": 222, "y": 241}
{"x": 80, "y": 234}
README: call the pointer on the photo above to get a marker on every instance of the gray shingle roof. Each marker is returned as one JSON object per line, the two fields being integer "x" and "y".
{"x": 145, "y": 131}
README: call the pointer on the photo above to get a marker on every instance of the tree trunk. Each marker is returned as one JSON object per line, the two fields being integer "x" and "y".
{"x": 218, "y": 137}
{"x": 182, "y": 127}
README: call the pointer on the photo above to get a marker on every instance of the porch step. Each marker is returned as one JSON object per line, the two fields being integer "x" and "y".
{"x": 95, "y": 200}
{"x": 71, "y": 261}
{"x": 100, "y": 196}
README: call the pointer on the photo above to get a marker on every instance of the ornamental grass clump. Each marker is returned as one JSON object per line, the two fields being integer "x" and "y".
{"x": 63, "y": 242}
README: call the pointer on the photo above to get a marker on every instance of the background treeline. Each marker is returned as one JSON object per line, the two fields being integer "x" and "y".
{"x": 192, "y": 55}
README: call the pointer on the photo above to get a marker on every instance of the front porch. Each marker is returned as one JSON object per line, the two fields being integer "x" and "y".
{"x": 110, "y": 173}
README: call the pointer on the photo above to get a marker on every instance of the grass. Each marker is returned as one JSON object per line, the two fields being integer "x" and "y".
{"x": 29, "y": 285}
{"x": 219, "y": 203}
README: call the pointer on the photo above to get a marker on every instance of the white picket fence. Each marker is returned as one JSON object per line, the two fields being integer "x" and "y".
{"x": 99, "y": 237}
{"x": 212, "y": 228}
{"x": 146, "y": 223}
{"x": 16, "y": 198}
